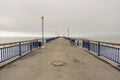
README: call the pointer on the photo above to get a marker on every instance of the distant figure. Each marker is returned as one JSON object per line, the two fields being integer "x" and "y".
{"x": 72, "y": 41}
{"x": 40, "y": 44}
{"x": 77, "y": 42}
{"x": 65, "y": 38}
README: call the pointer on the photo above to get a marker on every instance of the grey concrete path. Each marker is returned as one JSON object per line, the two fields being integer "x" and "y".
{"x": 78, "y": 65}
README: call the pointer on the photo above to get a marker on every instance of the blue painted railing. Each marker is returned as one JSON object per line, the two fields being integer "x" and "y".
{"x": 10, "y": 50}
{"x": 108, "y": 50}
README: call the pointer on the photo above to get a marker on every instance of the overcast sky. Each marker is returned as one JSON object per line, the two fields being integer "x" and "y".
{"x": 84, "y": 17}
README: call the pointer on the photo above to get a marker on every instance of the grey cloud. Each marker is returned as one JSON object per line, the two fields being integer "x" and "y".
{"x": 80, "y": 15}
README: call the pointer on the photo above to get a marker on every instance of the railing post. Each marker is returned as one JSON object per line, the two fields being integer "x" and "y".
{"x": 30, "y": 46}
{"x": 19, "y": 48}
{"x": 118, "y": 57}
{"x": 77, "y": 42}
{"x": 98, "y": 48}
{"x": 83, "y": 44}
{"x": 37, "y": 43}
{"x": 0, "y": 55}
{"x": 88, "y": 45}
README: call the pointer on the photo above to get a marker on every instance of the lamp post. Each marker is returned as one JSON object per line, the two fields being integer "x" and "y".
{"x": 68, "y": 31}
{"x": 42, "y": 30}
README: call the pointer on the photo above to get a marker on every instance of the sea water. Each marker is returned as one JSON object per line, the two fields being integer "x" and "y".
{"x": 114, "y": 39}
{"x": 15, "y": 39}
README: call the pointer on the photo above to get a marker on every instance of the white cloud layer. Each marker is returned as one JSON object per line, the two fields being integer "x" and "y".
{"x": 82, "y": 16}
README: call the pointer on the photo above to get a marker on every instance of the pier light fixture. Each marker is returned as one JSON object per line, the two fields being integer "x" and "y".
{"x": 42, "y": 30}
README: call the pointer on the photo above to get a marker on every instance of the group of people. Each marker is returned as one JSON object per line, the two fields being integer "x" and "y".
{"x": 74, "y": 42}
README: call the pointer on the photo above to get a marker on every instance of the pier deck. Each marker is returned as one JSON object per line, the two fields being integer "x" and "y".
{"x": 59, "y": 60}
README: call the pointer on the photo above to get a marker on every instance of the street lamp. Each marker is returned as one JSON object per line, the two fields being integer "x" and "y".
{"x": 42, "y": 30}
{"x": 68, "y": 31}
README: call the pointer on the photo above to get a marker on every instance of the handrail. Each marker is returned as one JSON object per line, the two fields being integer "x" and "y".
{"x": 10, "y": 50}
{"x": 103, "y": 42}
{"x": 19, "y": 48}
{"x": 108, "y": 50}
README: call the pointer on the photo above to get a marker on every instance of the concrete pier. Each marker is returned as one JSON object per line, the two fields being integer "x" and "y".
{"x": 59, "y": 60}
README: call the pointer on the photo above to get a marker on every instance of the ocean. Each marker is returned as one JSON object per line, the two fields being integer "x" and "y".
{"x": 114, "y": 39}
{"x": 15, "y": 39}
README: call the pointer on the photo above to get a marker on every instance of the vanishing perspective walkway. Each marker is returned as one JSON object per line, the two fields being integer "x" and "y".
{"x": 59, "y": 60}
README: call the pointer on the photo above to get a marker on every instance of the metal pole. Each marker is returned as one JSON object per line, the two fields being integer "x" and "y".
{"x": 42, "y": 30}
{"x": 20, "y": 53}
{"x": 68, "y": 31}
{"x": 56, "y": 33}
{"x": 98, "y": 48}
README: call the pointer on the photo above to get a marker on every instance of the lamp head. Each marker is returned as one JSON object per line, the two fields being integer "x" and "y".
{"x": 42, "y": 17}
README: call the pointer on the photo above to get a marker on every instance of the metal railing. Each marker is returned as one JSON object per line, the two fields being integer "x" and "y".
{"x": 14, "y": 49}
{"x": 10, "y": 50}
{"x": 108, "y": 50}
